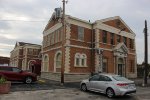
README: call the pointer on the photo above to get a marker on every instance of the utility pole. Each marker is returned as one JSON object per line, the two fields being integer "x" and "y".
{"x": 63, "y": 42}
{"x": 146, "y": 55}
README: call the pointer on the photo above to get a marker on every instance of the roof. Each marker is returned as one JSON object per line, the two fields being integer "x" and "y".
{"x": 23, "y": 43}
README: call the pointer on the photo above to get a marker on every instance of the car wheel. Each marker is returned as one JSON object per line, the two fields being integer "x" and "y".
{"x": 28, "y": 80}
{"x": 83, "y": 87}
{"x": 110, "y": 93}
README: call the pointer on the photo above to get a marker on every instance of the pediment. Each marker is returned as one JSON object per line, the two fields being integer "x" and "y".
{"x": 121, "y": 48}
{"x": 118, "y": 23}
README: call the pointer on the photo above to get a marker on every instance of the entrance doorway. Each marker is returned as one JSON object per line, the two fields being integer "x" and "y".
{"x": 120, "y": 69}
{"x": 120, "y": 66}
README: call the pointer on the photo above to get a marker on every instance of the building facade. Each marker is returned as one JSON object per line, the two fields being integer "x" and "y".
{"x": 24, "y": 54}
{"x": 107, "y": 46}
{"x": 4, "y": 61}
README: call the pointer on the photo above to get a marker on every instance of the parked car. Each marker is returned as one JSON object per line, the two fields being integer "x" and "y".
{"x": 111, "y": 85}
{"x": 16, "y": 74}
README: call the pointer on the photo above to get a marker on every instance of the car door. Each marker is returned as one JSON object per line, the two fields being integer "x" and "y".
{"x": 93, "y": 81}
{"x": 16, "y": 74}
{"x": 104, "y": 82}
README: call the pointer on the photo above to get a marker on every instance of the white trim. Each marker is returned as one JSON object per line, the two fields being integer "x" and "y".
{"x": 79, "y": 22}
{"x": 51, "y": 49}
{"x": 116, "y": 17}
{"x": 80, "y": 41}
{"x": 52, "y": 29}
{"x": 67, "y": 49}
{"x": 76, "y": 46}
{"x": 114, "y": 30}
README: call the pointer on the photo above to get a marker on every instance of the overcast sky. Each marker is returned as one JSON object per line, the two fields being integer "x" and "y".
{"x": 24, "y": 20}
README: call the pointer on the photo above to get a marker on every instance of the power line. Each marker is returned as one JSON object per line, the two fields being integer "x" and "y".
{"x": 5, "y": 20}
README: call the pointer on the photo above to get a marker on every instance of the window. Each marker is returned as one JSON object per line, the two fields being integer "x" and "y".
{"x": 83, "y": 60}
{"x": 80, "y": 60}
{"x": 104, "y": 37}
{"x": 16, "y": 70}
{"x": 118, "y": 38}
{"x": 131, "y": 43}
{"x": 52, "y": 37}
{"x": 125, "y": 40}
{"x": 112, "y": 38}
{"x": 30, "y": 51}
{"x": 61, "y": 34}
{"x": 45, "y": 63}
{"x": 48, "y": 40}
{"x": 80, "y": 33}
{"x": 35, "y": 51}
{"x": 104, "y": 78}
{"x": 58, "y": 60}
{"x": 77, "y": 59}
{"x": 94, "y": 78}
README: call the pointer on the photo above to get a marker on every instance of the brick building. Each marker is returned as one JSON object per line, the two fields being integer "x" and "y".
{"x": 24, "y": 54}
{"x": 4, "y": 61}
{"x": 107, "y": 45}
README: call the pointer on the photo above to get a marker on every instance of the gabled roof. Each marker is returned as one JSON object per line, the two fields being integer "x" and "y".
{"x": 23, "y": 43}
{"x": 113, "y": 18}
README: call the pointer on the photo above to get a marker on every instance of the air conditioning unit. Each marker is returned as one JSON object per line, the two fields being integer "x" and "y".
{"x": 58, "y": 13}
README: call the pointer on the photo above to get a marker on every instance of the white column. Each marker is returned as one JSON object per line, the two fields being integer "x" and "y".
{"x": 67, "y": 49}
{"x": 97, "y": 63}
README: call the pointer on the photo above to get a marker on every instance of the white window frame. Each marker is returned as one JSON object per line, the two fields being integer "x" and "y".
{"x": 45, "y": 69}
{"x": 58, "y": 52}
{"x": 80, "y": 57}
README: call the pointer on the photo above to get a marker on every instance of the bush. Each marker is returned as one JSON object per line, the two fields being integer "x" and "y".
{"x": 2, "y": 80}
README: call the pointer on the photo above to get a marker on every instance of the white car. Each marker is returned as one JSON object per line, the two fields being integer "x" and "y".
{"x": 111, "y": 85}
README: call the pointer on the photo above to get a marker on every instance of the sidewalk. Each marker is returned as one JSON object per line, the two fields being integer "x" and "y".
{"x": 140, "y": 81}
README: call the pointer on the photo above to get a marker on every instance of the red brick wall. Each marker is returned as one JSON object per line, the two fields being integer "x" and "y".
{"x": 113, "y": 23}
{"x": 110, "y": 60}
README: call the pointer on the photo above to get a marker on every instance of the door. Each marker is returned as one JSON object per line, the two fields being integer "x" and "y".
{"x": 16, "y": 74}
{"x": 120, "y": 69}
{"x": 104, "y": 81}
{"x": 93, "y": 82}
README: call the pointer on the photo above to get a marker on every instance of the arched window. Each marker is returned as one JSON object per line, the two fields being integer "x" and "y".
{"x": 45, "y": 63}
{"x": 58, "y": 60}
{"x": 80, "y": 60}
{"x": 83, "y": 60}
{"x": 77, "y": 59}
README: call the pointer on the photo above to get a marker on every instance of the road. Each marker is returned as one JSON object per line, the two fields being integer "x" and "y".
{"x": 52, "y": 90}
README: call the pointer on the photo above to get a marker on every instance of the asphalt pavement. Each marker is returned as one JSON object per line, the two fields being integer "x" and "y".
{"x": 53, "y": 90}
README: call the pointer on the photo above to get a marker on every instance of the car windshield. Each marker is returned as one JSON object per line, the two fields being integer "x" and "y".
{"x": 120, "y": 78}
